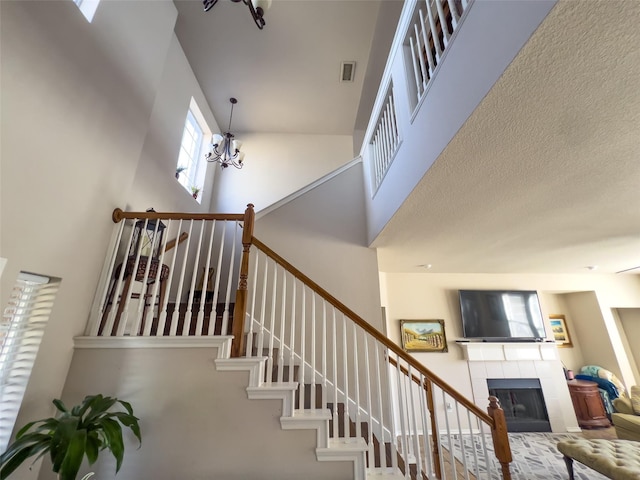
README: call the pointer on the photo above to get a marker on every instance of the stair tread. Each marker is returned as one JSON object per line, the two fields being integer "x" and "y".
{"x": 318, "y": 413}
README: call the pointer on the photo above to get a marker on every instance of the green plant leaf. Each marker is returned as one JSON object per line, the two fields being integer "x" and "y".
{"x": 114, "y": 443}
{"x": 93, "y": 447}
{"x": 17, "y": 451}
{"x": 59, "y": 405}
{"x": 130, "y": 421}
{"x": 61, "y": 438}
{"x": 127, "y": 406}
{"x": 20, "y": 456}
{"x": 74, "y": 455}
{"x": 99, "y": 406}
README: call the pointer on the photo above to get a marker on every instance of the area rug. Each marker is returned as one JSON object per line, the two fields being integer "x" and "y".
{"x": 535, "y": 457}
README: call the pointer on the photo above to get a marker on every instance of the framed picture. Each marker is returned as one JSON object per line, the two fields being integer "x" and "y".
{"x": 423, "y": 336}
{"x": 560, "y": 330}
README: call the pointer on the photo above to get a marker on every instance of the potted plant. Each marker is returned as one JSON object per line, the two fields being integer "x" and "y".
{"x": 179, "y": 170}
{"x": 195, "y": 191}
{"x": 86, "y": 429}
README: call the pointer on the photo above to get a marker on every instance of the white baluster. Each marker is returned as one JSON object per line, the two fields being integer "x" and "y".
{"x": 415, "y": 54}
{"x": 312, "y": 388}
{"x": 434, "y": 30}
{"x": 414, "y": 420}
{"x": 425, "y": 74}
{"x": 205, "y": 287}
{"x": 462, "y": 447}
{"x": 283, "y": 316}
{"x": 443, "y": 24}
{"x": 263, "y": 309}
{"x": 109, "y": 285}
{"x": 216, "y": 288}
{"x": 334, "y": 425}
{"x": 324, "y": 356}
{"x": 356, "y": 370}
{"x": 174, "y": 320}
{"x": 476, "y": 464}
{"x": 369, "y": 405}
{"x": 427, "y": 50}
{"x": 163, "y": 314}
{"x": 227, "y": 300}
{"x": 391, "y": 402}
{"x": 487, "y": 462}
{"x": 452, "y": 446}
{"x": 143, "y": 290}
{"x": 455, "y": 18}
{"x": 253, "y": 282}
{"x": 194, "y": 277}
{"x": 272, "y": 324}
{"x": 345, "y": 373}
{"x": 148, "y": 320}
{"x": 127, "y": 298}
{"x": 424, "y": 411}
{"x": 292, "y": 336}
{"x": 401, "y": 411}
{"x": 394, "y": 124}
{"x": 381, "y": 444}
{"x": 302, "y": 345}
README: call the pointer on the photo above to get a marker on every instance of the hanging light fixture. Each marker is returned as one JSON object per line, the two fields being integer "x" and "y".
{"x": 256, "y": 7}
{"x": 225, "y": 149}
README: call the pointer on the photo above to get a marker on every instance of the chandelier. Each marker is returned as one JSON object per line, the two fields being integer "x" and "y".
{"x": 256, "y": 7}
{"x": 225, "y": 149}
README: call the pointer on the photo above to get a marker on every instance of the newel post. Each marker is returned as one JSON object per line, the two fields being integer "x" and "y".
{"x": 500, "y": 437}
{"x": 240, "y": 308}
{"x": 434, "y": 429}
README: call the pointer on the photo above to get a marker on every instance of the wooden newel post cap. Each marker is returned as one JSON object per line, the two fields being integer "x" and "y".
{"x": 117, "y": 216}
{"x": 494, "y": 402}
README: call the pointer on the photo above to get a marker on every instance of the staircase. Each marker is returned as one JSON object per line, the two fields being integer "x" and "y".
{"x": 369, "y": 402}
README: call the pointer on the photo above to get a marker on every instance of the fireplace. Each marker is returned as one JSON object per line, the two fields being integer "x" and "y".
{"x": 523, "y": 403}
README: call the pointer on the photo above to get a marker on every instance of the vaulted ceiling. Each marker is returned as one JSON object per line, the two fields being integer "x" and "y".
{"x": 543, "y": 177}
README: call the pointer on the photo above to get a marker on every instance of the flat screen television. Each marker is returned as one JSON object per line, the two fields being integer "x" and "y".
{"x": 501, "y": 315}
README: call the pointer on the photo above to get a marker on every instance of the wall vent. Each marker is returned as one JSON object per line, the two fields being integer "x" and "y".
{"x": 347, "y": 71}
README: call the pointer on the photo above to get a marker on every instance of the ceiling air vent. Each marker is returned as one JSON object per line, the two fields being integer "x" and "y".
{"x": 347, "y": 71}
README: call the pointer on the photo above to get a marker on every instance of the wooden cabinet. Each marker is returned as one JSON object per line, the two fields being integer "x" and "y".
{"x": 587, "y": 404}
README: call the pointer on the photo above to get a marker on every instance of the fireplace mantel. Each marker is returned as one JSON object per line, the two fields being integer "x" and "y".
{"x": 489, "y": 360}
{"x": 504, "y": 352}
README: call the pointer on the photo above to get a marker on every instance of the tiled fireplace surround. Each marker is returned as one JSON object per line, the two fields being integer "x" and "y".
{"x": 523, "y": 360}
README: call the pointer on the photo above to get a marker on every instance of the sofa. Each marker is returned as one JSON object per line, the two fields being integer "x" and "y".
{"x": 625, "y": 420}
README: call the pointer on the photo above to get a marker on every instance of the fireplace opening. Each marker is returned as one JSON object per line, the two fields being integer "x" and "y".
{"x": 522, "y": 402}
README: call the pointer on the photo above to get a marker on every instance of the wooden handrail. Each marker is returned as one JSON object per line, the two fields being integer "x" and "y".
{"x": 119, "y": 215}
{"x": 374, "y": 332}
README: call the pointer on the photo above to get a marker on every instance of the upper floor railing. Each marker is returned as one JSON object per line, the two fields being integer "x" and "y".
{"x": 214, "y": 277}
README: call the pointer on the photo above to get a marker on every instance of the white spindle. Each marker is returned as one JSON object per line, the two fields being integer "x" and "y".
{"x": 424, "y": 411}
{"x": 303, "y": 304}
{"x": 252, "y": 317}
{"x": 356, "y": 374}
{"x": 216, "y": 288}
{"x": 452, "y": 446}
{"x": 185, "y": 323}
{"x": 434, "y": 30}
{"x": 415, "y": 53}
{"x": 462, "y": 447}
{"x": 263, "y": 310}
{"x": 401, "y": 412}
{"x": 110, "y": 284}
{"x": 345, "y": 376}
{"x": 427, "y": 50}
{"x": 443, "y": 25}
{"x": 205, "y": 287}
{"x": 323, "y": 403}
{"x": 163, "y": 314}
{"x": 394, "y": 123}
{"x": 108, "y": 328}
{"x": 188, "y": 316}
{"x": 391, "y": 401}
{"x": 476, "y": 464}
{"x": 272, "y": 324}
{"x": 414, "y": 420}
{"x": 124, "y": 317}
{"x": 283, "y": 315}
{"x": 334, "y": 425}
{"x": 483, "y": 437}
{"x": 312, "y": 388}
{"x": 455, "y": 18}
{"x": 292, "y": 336}
{"x": 382, "y": 443}
{"x": 369, "y": 403}
{"x": 148, "y": 320}
{"x": 142, "y": 303}
{"x": 227, "y": 300}
{"x": 423, "y": 68}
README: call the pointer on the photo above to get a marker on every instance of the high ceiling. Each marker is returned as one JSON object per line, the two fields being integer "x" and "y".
{"x": 544, "y": 176}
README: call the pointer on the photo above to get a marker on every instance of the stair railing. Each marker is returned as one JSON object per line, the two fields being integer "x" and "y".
{"x": 182, "y": 285}
{"x": 396, "y": 410}
{"x": 406, "y": 417}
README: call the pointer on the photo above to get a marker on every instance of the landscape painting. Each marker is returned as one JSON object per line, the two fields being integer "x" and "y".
{"x": 423, "y": 336}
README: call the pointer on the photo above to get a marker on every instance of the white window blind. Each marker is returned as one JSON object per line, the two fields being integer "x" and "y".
{"x": 21, "y": 329}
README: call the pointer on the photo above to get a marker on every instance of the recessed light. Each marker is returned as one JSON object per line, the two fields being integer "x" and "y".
{"x": 591, "y": 267}
{"x": 426, "y": 266}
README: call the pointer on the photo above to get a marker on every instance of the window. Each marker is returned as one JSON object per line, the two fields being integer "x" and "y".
{"x": 192, "y": 167}
{"x": 87, "y": 7}
{"x": 21, "y": 330}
